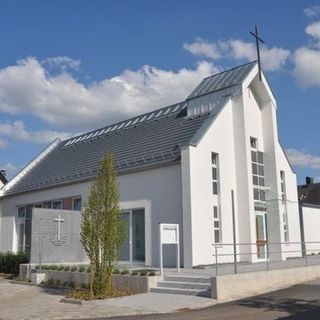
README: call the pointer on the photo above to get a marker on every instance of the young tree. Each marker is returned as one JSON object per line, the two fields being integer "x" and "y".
{"x": 102, "y": 230}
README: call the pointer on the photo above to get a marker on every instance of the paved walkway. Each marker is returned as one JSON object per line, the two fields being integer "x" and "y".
{"x": 19, "y": 301}
{"x": 300, "y": 302}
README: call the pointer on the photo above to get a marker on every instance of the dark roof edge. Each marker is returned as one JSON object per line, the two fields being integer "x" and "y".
{"x": 34, "y": 161}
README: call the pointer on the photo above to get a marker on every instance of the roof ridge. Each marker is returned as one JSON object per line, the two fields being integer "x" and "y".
{"x": 227, "y": 70}
{"x": 126, "y": 123}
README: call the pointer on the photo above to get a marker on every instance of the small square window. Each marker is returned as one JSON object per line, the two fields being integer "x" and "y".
{"x": 214, "y": 187}
{"x": 214, "y": 158}
{"x": 254, "y": 169}
{"x": 21, "y": 212}
{"x": 260, "y": 157}
{"x": 77, "y": 204}
{"x": 261, "y": 182}
{"x": 254, "y": 156}
{"x": 215, "y": 212}
{"x": 255, "y": 180}
{"x": 214, "y": 173}
{"x": 57, "y": 204}
{"x": 47, "y": 205}
{"x": 216, "y": 236}
{"x": 260, "y": 170}
{"x": 253, "y": 143}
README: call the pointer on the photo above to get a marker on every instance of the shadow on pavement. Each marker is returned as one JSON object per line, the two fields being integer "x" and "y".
{"x": 297, "y": 309}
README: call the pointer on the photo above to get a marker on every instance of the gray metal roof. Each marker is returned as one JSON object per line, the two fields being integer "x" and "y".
{"x": 146, "y": 144}
{"x": 149, "y": 140}
{"x": 222, "y": 80}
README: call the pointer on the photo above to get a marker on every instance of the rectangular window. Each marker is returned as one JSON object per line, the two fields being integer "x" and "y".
{"x": 215, "y": 173}
{"x": 283, "y": 186}
{"x": 21, "y": 212}
{"x": 285, "y": 227}
{"x": 21, "y": 222}
{"x": 257, "y": 164}
{"x": 216, "y": 225}
{"x": 47, "y": 205}
{"x": 57, "y": 204}
{"x": 76, "y": 204}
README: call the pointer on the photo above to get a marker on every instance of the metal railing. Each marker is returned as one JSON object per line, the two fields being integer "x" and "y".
{"x": 249, "y": 257}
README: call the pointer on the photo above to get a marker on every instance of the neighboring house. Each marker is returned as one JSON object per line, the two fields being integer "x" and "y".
{"x": 3, "y": 179}
{"x": 178, "y": 164}
{"x": 309, "y": 200}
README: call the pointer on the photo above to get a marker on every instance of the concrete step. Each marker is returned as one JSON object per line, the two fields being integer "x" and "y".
{"x": 186, "y": 279}
{"x": 189, "y": 292}
{"x": 184, "y": 285}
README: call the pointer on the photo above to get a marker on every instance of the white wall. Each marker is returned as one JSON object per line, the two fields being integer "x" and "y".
{"x": 158, "y": 190}
{"x": 311, "y": 222}
{"x": 198, "y": 203}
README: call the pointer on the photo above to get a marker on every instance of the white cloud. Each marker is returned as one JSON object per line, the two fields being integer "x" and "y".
{"x": 272, "y": 59}
{"x": 62, "y": 101}
{"x": 17, "y": 131}
{"x": 313, "y": 30}
{"x": 307, "y": 67}
{"x": 203, "y": 48}
{"x": 312, "y": 11}
{"x": 303, "y": 159}
{"x": 62, "y": 62}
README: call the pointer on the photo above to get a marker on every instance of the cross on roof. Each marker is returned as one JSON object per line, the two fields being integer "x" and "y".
{"x": 256, "y": 35}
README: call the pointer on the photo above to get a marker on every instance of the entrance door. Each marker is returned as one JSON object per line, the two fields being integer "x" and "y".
{"x": 133, "y": 247}
{"x": 261, "y": 232}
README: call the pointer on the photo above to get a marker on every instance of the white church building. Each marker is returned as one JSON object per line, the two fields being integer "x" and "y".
{"x": 212, "y": 164}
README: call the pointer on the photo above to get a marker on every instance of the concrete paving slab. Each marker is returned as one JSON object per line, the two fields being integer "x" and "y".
{"x": 19, "y": 301}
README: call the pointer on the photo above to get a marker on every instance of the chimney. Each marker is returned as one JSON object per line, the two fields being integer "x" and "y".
{"x": 3, "y": 172}
{"x": 309, "y": 180}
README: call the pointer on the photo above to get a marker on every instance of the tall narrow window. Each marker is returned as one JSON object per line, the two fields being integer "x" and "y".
{"x": 283, "y": 186}
{"x": 284, "y": 204}
{"x": 257, "y": 171}
{"x": 215, "y": 174}
{"x": 216, "y": 225}
{"x": 21, "y": 228}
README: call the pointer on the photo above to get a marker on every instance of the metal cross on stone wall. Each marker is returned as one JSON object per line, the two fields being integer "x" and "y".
{"x": 258, "y": 39}
{"x": 59, "y": 220}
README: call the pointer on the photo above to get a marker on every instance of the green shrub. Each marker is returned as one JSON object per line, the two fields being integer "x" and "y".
{"x": 82, "y": 269}
{"x": 143, "y": 273}
{"x": 71, "y": 284}
{"x": 37, "y": 267}
{"x": 66, "y": 268}
{"x": 60, "y": 268}
{"x": 65, "y": 284}
{"x": 50, "y": 282}
{"x": 58, "y": 282}
{"x": 53, "y": 267}
{"x": 44, "y": 267}
{"x": 89, "y": 269}
{"x": 124, "y": 272}
{"x": 134, "y": 273}
{"x": 116, "y": 271}
{"x": 152, "y": 273}
{"x": 9, "y": 262}
{"x": 74, "y": 268}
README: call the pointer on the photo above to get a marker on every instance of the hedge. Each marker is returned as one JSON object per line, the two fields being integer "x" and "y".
{"x": 9, "y": 262}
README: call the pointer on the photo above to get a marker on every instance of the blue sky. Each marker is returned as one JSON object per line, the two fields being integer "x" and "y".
{"x": 70, "y": 66}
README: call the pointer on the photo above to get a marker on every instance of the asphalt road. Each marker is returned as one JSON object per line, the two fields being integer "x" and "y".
{"x": 300, "y": 302}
